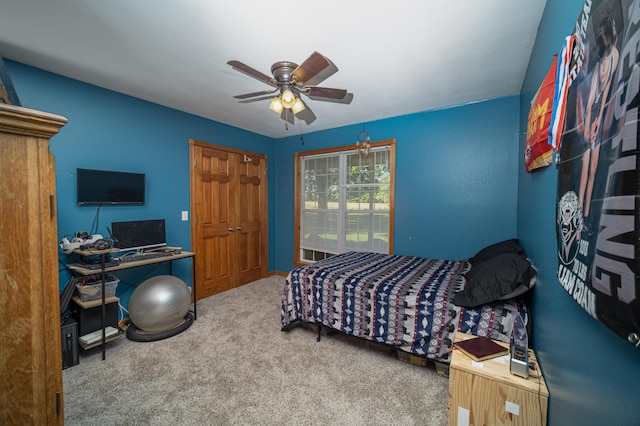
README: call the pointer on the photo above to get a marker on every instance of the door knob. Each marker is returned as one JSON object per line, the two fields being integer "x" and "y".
{"x": 239, "y": 228}
{"x": 231, "y": 229}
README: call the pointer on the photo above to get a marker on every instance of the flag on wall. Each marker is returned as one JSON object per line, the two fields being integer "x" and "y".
{"x": 598, "y": 192}
{"x": 571, "y": 49}
{"x": 537, "y": 151}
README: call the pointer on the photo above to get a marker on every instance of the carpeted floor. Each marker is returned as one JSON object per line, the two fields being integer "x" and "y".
{"x": 235, "y": 367}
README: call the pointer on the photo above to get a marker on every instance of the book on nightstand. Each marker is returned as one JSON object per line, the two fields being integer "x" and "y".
{"x": 481, "y": 348}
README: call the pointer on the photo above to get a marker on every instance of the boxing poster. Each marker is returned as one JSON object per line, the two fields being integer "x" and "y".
{"x": 537, "y": 151}
{"x": 598, "y": 189}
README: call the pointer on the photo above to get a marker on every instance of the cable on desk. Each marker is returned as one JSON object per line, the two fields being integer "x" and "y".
{"x": 535, "y": 367}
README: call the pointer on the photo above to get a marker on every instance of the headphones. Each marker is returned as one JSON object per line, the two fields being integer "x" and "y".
{"x": 82, "y": 240}
{"x": 102, "y": 244}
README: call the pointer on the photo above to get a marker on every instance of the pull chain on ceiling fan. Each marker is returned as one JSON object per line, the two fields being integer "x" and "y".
{"x": 291, "y": 81}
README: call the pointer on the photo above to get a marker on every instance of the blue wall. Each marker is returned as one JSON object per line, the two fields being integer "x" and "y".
{"x": 593, "y": 376}
{"x": 107, "y": 130}
{"x": 455, "y": 191}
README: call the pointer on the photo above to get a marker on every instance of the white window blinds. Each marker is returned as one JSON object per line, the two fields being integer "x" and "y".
{"x": 345, "y": 203}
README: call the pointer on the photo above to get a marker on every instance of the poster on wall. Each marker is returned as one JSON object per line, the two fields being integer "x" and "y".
{"x": 598, "y": 190}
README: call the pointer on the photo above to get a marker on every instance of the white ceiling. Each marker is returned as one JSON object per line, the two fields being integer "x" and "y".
{"x": 396, "y": 57}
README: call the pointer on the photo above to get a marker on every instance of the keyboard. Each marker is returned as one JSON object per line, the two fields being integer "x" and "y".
{"x": 96, "y": 266}
{"x": 143, "y": 256}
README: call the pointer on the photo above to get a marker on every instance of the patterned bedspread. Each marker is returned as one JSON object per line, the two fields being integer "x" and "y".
{"x": 403, "y": 301}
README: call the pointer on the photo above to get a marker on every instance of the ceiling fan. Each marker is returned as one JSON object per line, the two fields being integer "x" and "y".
{"x": 291, "y": 80}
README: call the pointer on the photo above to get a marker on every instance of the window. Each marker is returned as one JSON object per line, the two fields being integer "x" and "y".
{"x": 344, "y": 201}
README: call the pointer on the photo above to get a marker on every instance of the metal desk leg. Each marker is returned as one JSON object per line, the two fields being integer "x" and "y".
{"x": 104, "y": 308}
{"x": 193, "y": 284}
{"x": 193, "y": 287}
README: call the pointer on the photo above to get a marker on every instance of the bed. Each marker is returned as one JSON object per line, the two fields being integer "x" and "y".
{"x": 411, "y": 303}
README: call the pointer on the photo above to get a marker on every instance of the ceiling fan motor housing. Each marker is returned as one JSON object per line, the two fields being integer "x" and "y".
{"x": 282, "y": 72}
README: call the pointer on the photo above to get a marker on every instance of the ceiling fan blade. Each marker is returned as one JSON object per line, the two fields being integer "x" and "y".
{"x": 252, "y": 72}
{"x": 328, "y": 94}
{"x": 251, "y": 95}
{"x": 315, "y": 69}
{"x": 346, "y": 100}
{"x": 262, "y": 98}
{"x": 306, "y": 115}
{"x": 287, "y": 115}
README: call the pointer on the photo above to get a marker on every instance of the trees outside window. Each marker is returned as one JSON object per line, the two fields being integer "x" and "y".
{"x": 344, "y": 201}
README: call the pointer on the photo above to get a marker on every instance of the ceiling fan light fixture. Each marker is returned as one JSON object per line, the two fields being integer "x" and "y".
{"x": 298, "y": 106}
{"x": 276, "y": 105}
{"x": 288, "y": 98}
{"x": 289, "y": 82}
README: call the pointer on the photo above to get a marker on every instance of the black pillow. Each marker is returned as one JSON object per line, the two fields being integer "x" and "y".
{"x": 496, "y": 278}
{"x": 506, "y": 246}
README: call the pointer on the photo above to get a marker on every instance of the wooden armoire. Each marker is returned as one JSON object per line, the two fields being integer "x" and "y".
{"x": 30, "y": 346}
{"x": 229, "y": 216}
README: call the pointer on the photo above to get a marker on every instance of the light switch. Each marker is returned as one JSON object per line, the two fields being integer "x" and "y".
{"x": 185, "y": 215}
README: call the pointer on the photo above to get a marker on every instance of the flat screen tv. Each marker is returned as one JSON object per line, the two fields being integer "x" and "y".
{"x": 97, "y": 187}
{"x": 139, "y": 234}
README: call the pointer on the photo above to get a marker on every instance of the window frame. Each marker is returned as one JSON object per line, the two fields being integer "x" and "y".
{"x": 390, "y": 143}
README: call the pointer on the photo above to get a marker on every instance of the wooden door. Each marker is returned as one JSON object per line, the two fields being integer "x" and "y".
{"x": 212, "y": 201}
{"x": 251, "y": 212}
{"x": 228, "y": 217}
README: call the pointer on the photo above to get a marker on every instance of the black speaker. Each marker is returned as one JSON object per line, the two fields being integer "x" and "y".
{"x": 69, "y": 332}
{"x": 89, "y": 314}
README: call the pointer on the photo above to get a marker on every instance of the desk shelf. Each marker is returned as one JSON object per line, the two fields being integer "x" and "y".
{"x": 78, "y": 269}
{"x": 125, "y": 265}
{"x": 106, "y": 340}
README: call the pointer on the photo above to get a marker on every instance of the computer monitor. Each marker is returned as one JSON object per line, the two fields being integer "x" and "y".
{"x": 139, "y": 234}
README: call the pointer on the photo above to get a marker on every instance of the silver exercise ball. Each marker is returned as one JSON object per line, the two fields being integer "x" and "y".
{"x": 159, "y": 303}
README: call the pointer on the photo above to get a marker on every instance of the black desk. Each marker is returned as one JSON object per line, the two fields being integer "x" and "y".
{"x": 128, "y": 265}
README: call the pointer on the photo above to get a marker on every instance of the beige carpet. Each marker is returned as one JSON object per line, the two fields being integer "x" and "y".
{"x": 235, "y": 367}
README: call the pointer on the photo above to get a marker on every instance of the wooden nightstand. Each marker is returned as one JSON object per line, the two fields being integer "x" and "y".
{"x": 486, "y": 393}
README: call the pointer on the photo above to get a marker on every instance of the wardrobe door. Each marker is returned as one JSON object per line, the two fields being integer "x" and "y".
{"x": 30, "y": 348}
